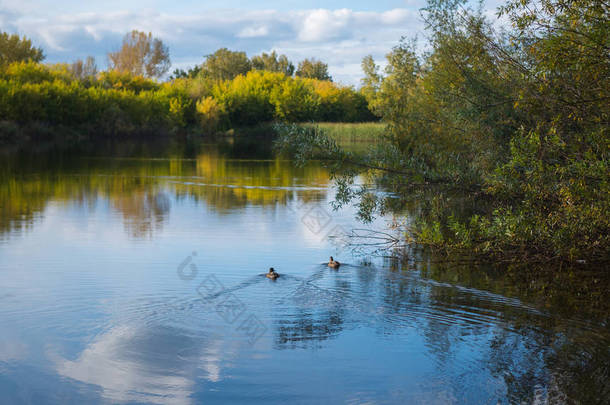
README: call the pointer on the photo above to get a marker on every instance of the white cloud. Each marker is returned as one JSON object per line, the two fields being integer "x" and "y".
{"x": 110, "y": 364}
{"x": 396, "y": 16}
{"x": 324, "y": 25}
{"x": 254, "y": 32}
{"x": 149, "y": 363}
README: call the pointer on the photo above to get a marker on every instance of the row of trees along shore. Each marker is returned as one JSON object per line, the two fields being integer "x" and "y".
{"x": 509, "y": 125}
{"x": 227, "y": 90}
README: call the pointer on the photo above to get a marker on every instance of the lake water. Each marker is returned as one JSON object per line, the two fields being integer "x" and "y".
{"x": 134, "y": 274}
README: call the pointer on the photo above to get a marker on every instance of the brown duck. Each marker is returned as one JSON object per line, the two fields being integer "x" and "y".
{"x": 272, "y": 274}
{"x": 333, "y": 263}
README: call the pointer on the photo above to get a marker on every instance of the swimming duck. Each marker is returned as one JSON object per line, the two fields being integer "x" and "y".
{"x": 333, "y": 263}
{"x": 272, "y": 274}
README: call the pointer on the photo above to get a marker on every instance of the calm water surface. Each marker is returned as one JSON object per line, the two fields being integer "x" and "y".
{"x": 134, "y": 275}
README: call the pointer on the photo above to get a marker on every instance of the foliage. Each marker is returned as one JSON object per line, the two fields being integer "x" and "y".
{"x": 225, "y": 64}
{"x": 209, "y": 114}
{"x": 141, "y": 55}
{"x": 180, "y": 111}
{"x": 197, "y": 87}
{"x": 340, "y": 103}
{"x": 117, "y": 103}
{"x": 191, "y": 73}
{"x": 247, "y": 99}
{"x": 16, "y": 49}
{"x": 294, "y": 100}
{"x": 313, "y": 69}
{"x": 31, "y": 93}
{"x": 32, "y": 72}
{"x": 113, "y": 79}
{"x": 371, "y": 82}
{"x": 261, "y": 96}
{"x": 273, "y": 63}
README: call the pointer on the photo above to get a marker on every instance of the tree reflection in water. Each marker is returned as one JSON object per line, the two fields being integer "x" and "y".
{"x": 141, "y": 188}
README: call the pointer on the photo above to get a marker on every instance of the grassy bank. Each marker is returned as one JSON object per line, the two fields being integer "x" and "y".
{"x": 352, "y": 131}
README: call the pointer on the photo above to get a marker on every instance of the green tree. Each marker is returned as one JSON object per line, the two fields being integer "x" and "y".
{"x": 16, "y": 49}
{"x": 313, "y": 69}
{"x": 294, "y": 100}
{"x": 518, "y": 116}
{"x": 273, "y": 63}
{"x": 371, "y": 82}
{"x": 191, "y": 73}
{"x": 141, "y": 55}
{"x": 225, "y": 64}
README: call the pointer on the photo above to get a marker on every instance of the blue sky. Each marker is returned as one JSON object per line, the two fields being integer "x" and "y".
{"x": 340, "y": 32}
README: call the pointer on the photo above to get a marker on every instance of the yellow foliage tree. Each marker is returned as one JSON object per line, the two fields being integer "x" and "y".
{"x": 209, "y": 113}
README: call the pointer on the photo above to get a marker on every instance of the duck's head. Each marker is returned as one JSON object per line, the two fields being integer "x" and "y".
{"x": 331, "y": 259}
{"x": 271, "y": 270}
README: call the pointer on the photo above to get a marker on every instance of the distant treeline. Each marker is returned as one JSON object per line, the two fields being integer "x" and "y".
{"x": 228, "y": 90}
